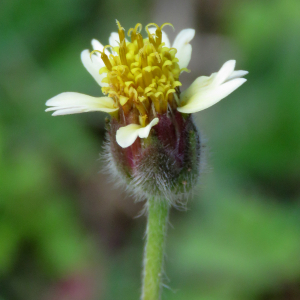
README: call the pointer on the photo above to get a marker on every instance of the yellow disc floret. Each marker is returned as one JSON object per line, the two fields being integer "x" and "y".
{"x": 142, "y": 74}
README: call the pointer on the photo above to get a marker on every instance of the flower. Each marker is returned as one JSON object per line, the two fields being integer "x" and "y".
{"x": 152, "y": 137}
{"x": 150, "y": 69}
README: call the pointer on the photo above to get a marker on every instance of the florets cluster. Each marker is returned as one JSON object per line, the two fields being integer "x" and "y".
{"x": 142, "y": 75}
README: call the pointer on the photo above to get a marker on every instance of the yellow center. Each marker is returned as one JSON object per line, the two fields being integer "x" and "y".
{"x": 142, "y": 75}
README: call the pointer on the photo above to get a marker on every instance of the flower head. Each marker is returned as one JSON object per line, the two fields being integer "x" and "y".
{"x": 150, "y": 117}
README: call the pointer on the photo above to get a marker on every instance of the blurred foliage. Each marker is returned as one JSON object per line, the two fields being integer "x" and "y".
{"x": 263, "y": 139}
{"x": 239, "y": 238}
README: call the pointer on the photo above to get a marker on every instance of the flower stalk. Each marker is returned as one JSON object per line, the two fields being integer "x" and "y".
{"x": 158, "y": 213}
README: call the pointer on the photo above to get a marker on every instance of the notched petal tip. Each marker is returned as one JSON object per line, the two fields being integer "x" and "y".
{"x": 225, "y": 72}
{"x": 127, "y": 135}
{"x": 144, "y": 131}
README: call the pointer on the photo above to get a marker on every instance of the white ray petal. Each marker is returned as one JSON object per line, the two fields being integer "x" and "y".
{"x": 98, "y": 46}
{"x": 72, "y": 103}
{"x": 225, "y": 72}
{"x": 114, "y": 39}
{"x": 127, "y": 135}
{"x": 208, "y": 97}
{"x": 72, "y": 99}
{"x": 93, "y": 65}
{"x": 184, "y": 49}
{"x": 204, "y": 82}
{"x": 198, "y": 84}
{"x": 165, "y": 39}
{"x": 164, "y": 36}
{"x": 152, "y": 29}
{"x": 144, "y": 131}
{"x": 68, "y": 111}
{"x": 237, "y": 74}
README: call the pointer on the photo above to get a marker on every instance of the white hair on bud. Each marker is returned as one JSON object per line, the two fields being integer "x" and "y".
{"x": 139, "y": 186}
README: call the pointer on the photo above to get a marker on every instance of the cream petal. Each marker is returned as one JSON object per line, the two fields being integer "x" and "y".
{"x": 209, "y": 97}
{"x": 224, "y": 73}
{"x": 69, "y": 99}
{"x": 237, "y": 74}
{"x": 198, "y": 84}
{"x": 164, "y": 37}
{"x": 152, "y": 30}
{"x": 184, "y": 49}
{"x": 127, "y": 135}
{"x": 204, "y": 82}
{"x": 144, "y": 131}
{"x": 67, "y": 111}
{"x": 72, "y": 103}
{"x": 114, "y": 39}
{"x": 98, "y": 46}
{"x": 93, "y": 64}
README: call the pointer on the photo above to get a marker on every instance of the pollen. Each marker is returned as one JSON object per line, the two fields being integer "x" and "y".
{"x": 142, "y": 74}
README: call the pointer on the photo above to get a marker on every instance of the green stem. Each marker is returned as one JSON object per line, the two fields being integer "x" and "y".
{"x": 158, "y": 212}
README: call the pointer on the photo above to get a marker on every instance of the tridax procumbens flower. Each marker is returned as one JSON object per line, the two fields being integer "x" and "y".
{"x": 153, "y": 143}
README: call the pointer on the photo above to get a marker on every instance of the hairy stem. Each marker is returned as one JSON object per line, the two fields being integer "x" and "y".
{"x": 158, "y": 212}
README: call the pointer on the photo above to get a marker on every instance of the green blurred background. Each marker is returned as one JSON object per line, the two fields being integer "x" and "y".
{"x": 67, "y": 233}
